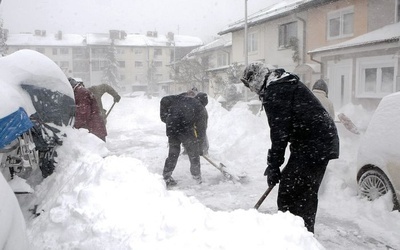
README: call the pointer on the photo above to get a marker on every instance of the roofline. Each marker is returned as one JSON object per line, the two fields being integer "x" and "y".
{"x": 301, "y": 7}
{"x": 218, "y": 68}
{"x": 213, "y": 49}
{"x": 251, "y": 24}
{"x": 390, "y": 40}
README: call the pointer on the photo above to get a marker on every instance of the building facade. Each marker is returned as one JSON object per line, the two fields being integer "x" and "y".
{"x": 143, "y": 60}
{"x": 298, "y": 35}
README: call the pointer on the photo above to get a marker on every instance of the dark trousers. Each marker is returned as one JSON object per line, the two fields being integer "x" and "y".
{"x": 191, "y": 145}
{"x": 298, "y": 188}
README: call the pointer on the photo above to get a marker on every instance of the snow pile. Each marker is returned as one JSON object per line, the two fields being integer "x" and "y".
{"x": 114, "y": 202}
{"x": 111, "y": 196}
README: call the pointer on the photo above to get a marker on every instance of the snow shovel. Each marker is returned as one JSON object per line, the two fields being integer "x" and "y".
{"x": 261, "y": 200}
{"x": 348, "y": 124}
{"x": 108, "y": 112}
{"x": 221, "y": 167}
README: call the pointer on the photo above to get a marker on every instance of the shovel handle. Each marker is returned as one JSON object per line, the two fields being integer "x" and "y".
{"x": 210, "y": 161}
{"x": 110, "y": 109}
{"x": 261, "y": 200}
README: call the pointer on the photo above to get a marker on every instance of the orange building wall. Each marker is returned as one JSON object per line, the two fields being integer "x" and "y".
{"x": 317, "y": 23}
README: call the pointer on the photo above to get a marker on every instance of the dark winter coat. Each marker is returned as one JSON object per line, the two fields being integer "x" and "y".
{"x": 184, "y": 116}
{"x": 296, "y": 116}
{"x": 88, "y": 114}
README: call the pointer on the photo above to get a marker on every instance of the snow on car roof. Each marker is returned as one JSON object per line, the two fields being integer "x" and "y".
{"x": 28, "y": 67}
{"x": 381, "y": 141}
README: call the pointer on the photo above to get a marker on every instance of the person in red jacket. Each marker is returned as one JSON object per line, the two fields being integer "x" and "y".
{"x": 87, "y": 114}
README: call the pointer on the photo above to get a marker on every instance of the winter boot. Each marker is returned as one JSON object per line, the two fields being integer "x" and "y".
{"x": 170, "y": 182}
{"x": 197, "y": 178}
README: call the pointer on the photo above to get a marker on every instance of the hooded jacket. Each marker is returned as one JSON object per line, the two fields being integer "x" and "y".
{"x": 296, "y": 116}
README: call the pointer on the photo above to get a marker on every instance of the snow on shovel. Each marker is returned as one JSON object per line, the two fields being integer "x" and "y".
{"x": 348, "y": 124}
{"x": 221, "y": 167}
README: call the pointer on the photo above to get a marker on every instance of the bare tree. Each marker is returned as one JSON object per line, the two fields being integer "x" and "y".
{"x": 192, "y": 72}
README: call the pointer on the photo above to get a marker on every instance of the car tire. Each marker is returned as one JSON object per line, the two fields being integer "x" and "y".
{"x": 374, "y": 183}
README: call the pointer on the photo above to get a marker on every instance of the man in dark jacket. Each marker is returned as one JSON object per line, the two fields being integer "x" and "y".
{"x": 186, "y": 123}
{"x": 295, "y": 116}
{"x": 203, "y": 98}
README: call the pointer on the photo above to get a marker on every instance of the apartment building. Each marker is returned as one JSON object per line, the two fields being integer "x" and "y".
{"x": 143, "y": 60}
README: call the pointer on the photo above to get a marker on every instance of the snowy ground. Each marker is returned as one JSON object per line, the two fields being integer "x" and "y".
{"x": 111, "y": 196}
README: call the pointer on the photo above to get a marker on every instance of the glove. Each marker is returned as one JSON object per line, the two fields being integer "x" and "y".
{"x": 117, "y": 98}
{"x": 274, "y": 175}
{"x": 201, "y": 152}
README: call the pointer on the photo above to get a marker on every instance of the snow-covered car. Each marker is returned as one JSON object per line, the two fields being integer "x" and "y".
{"x": 378, "y": 163}
{"x": 13, "y": 230}
{"x": 35, "y": 98}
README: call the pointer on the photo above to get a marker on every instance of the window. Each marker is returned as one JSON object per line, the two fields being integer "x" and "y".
{"x": 138, "y": 64}
{"x": 64, "y": 64}
{"x": 80, "y": 66}
{"x": 157, "y": 63}
{"x": 99, "y": 52}
{"x": 158, "y": 77}
{"x": 205, "y": 61}
{"x": 98, "y": 65}
{"x": 398, "y": 11}
{"x": 55, "y": 51}
{"x": 252, "y": 45}
{"x": 79, "y": 53}
{"x": 138, "y": 51}
{"x": 40, "y": 50}
{"x": 64, "y": 51}
{"x": 376, "y": 76}
{"x": 121, "y": 64}
{"x": 157, "y": 52}
{"x": 341, "y": 23}
{"x": 286, "y": 32}
{"x": 222, "y": 59}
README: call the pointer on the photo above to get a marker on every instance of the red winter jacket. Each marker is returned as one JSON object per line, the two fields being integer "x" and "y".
{"x": 88, "y": 114}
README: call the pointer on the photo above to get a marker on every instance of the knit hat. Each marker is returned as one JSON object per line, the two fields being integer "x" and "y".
{"x": 321, "y": 85}
{"x": 254, "y": 76}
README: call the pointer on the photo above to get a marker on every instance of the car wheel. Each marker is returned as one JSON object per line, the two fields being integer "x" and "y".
{"x": 373, "y": 183}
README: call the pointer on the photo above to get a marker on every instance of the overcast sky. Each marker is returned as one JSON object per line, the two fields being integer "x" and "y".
{"x": 202, "y": 18}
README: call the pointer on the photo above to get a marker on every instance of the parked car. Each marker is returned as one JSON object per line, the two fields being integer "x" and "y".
{"x": 378, "y": 163}
{"x": 35, "y": 98}
{"x": 13, "y": 229}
